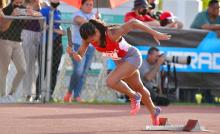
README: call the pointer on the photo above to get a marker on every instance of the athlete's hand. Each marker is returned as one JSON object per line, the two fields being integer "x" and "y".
{"x": 161, "y": 36}
{"x": 73, "y": 54}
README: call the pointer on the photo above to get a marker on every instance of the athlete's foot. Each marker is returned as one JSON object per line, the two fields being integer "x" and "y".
{"x": 155, "y": 117}
{"x": 135, "y": 104}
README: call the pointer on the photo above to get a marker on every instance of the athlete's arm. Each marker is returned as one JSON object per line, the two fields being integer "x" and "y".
{"x": 77, "y": 55}
{"x": 136, "y": 24}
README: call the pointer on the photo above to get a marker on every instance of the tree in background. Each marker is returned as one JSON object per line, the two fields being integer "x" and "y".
{"x": 205, "y": 4}
{"x": 160, "y": 4}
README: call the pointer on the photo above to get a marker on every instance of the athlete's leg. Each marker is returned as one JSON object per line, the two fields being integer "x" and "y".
{"x": 114, "y": 79}
{"x": 135, "y": 83}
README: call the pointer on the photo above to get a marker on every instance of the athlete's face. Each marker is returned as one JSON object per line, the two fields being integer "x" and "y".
{"x": 95, "y": 38}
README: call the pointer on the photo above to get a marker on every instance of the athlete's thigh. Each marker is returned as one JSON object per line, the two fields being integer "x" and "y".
{"x": 122, "y": 70}
{"x": 134, "y": 81}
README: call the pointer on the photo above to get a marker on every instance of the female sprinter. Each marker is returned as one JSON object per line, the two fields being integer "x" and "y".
{"x": 125, "y": 78}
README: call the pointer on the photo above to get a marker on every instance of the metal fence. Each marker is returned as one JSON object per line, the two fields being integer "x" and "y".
{"x": 15, "y": 52}
{"x": 94, "y": 88}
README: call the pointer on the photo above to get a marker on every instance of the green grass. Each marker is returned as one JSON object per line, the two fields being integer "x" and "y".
{"x": 193, "y": 104}
{"x": 96, "y": 102}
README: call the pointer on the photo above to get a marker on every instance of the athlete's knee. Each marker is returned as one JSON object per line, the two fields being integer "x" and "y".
{"x": 145, "y": 91}
{"x": 138, "y": 88}
{"x": 111, "y": 82}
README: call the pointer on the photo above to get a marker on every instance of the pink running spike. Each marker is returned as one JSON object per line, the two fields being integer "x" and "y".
{"x": 155, "y": 117}
{"x": 135, "y": 104}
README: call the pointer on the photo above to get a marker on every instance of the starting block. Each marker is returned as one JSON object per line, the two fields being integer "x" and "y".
{"x": 190, "y": 126}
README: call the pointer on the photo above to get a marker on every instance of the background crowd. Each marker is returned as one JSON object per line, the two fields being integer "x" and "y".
{"x": 21, "y": 42}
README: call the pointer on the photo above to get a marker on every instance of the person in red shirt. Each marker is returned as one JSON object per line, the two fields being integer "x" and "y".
{"x": 139, "y": 12}
{"x": 125, "y": 78}
{"x": 171, "y": 22}
{"x": 167, "y": 19}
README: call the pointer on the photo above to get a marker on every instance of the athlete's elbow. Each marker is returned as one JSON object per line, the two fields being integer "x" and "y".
{"x": 133, "y": 23}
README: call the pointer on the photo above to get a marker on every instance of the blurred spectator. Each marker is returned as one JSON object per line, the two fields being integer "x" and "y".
{"x": 10, "y": 46}
{"x": 209, "y": 19}
{"x": 1, "y": 5}
{"x": 140, "y": 12}
{"x": 31, "y": 38}
{"x": 1, "y": 20}
{"x": 80, "y": 68}
{"x": 57, "y": 45}
{"x": 153, "y": 10}
{"x": 44, "y": 3}
{"x": 150, "y": 75}
{"x": 167, "y": 19}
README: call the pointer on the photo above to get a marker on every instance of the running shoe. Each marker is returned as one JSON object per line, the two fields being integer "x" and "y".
{"x": 155, "y": 117}
{"x": 135, "y": 104}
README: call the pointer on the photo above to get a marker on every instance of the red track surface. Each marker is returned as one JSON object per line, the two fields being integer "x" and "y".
{"x": 97, "y": 119}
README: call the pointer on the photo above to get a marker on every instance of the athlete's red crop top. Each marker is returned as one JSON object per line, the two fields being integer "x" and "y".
{"x": 114, "y": 50}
